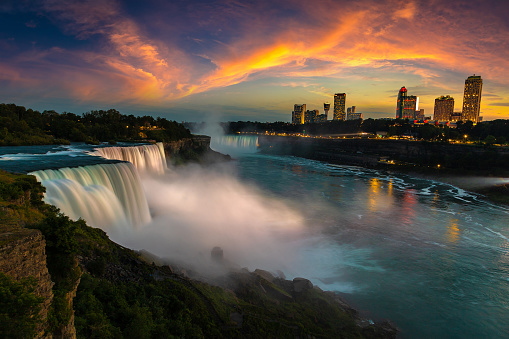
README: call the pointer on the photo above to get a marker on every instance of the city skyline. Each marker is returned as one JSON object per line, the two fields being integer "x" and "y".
{"x": 238, "y": 60}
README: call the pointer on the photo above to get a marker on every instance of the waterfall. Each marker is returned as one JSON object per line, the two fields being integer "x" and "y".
{"x": 234, "y": 144}
{"x": 146, "y": 158}
{"x": 104, "y": 195}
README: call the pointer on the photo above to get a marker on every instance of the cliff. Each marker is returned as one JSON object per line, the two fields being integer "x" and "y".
{"x": 195, "y": 149}
{"x": 23, "y": 255}
{"x": 367, "y": 152}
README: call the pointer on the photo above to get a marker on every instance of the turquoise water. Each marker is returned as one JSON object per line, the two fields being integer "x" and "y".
{"x": 431, "y": 257}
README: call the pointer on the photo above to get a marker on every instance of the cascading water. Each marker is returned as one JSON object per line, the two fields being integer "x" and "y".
{"x": 146, "y": 158}
{"x": 105, "y": 195}
{"x": 234, "y": 144}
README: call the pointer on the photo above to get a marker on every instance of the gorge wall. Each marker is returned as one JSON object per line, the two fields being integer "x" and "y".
{"x": 367, "y": 152}
{"x": 23, "y": 255}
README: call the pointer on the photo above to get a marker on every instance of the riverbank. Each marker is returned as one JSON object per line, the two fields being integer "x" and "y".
{"x": 483, "y": 170}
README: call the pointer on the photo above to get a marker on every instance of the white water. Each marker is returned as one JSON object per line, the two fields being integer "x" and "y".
{"x": 104, "y": 195}
{"x": 234, "y": 145}
{"x": 146, "y": 158}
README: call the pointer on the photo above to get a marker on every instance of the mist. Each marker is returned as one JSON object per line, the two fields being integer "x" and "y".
{"x": 195, "y": 209}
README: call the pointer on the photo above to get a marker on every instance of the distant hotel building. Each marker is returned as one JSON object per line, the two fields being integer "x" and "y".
{"x": 406, "y": 105}
{"x": 310, "y": 116}
{"x": 444, "y": 108}
{"x": 351, "y": 114}
{"x": 472, "y": 98}
{"x": 298, "y": 114}
{"x": 339, "y": 106}
{"x": 326, "y": 108}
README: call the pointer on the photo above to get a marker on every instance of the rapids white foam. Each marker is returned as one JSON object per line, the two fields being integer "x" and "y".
{"x": 146, "y": 158}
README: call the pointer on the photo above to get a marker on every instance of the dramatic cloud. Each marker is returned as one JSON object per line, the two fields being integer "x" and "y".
{"x": 114, "y": 52}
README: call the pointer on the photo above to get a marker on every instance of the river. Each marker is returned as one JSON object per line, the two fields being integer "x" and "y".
{"x": 429, "y": 256}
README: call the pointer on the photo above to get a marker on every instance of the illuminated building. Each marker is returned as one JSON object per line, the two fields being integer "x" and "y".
{"x": 355, "y": 116}
{"x": 409, "y": 106}
{"x": 310, "y": 116}
{"x": 419, "y": 114}
{"x": 401, "y": 100}
{"x": 326, "y": 108}
{"x": 444, "y": 108}
{"x": 321, "y": 118}
{"x": 472, "y": 98}
{"x": 339, "y": 106}
{"x": 456, "y": 116}
{"x": 298, "y": 114}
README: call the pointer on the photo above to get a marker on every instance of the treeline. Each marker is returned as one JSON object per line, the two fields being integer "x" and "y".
{"x": 21, "y": 126}
{"x": 496, "y": 131}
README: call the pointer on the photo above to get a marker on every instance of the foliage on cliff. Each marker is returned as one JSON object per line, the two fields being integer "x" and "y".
{"x": 19, "y": 307}
{"x": 21, "y": 126}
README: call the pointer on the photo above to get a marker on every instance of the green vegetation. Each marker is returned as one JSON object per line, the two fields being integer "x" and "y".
{"x": 21, "y": 126}
{"x": 19, "y": 307}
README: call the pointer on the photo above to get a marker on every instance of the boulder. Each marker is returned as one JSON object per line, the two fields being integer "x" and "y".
{"x": 301, "y": 285}
{"x": 264, "y": 274}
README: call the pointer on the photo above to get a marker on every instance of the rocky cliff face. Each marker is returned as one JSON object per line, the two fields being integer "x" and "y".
{"x": 22, "y": 254}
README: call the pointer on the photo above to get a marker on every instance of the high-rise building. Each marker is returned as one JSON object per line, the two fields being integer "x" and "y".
{"x": 326, "y": 108}
{"x": 406, "y": 105}
{"x": 351, "y": 113}
{"x": 401, "y": 101}
{"x": 409, "y": 106}
{"x": 298, "y": 114}
{"x": 444, "y": 108}
{"x": 339, "y": 106}
{"x": 310, "y": 116}
{"x": 472, "y": 98}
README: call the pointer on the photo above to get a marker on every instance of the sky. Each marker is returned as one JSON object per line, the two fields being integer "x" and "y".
{"x": 250, "y": 60}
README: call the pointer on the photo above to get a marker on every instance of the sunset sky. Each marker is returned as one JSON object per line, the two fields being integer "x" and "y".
{"x": 250, "y": 60}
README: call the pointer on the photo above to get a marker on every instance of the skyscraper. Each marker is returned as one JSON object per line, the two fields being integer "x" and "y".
{"x": 406, "y": 105}
{"x": 339, "y": 106}
{"x": 298, "y": 114}
{"x": 409, "y": 107}
{"x": 326, "y": 108}
{"x": 472, "y": 98}
{"x": 310, "y": 116}
{"x": 401, "y": 101}
{"x": 444, "y": 108}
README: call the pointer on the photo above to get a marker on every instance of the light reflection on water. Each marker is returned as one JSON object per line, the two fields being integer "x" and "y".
{"x": 429, "y": 256}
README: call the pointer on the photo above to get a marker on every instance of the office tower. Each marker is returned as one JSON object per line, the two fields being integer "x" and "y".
{"x": 326, "y": 108}
{"x": 409, "y": 106}
{"x": 339, "y": 106}
{"x": 444, "y": 108}
{"x": 401, "y": 101}
{"x": 472, "y": 98}
{"x": 310, "y": 116}
{"x": 298, "y": 114}
{"x": 348, "y": 113}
